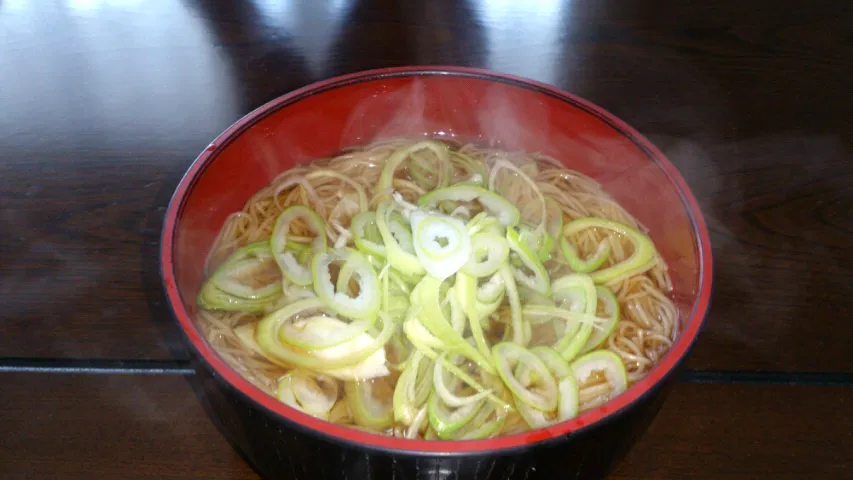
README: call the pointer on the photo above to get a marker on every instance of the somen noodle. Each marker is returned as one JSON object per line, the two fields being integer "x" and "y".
{"x": 429, "y": 290}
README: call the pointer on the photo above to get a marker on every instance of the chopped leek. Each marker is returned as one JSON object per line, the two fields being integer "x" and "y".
{"x": 611, "y": 309}
{"x": 399, "y": 246}
{"x": 467, "y": 294}
{"x": 365, "y": 305}
{"x": 368, "y": 410}
{"x": 413, "y": 388}
{"x": 493, "y": 203}
{"x": 361, "y": 357}
{"x": 321, "y": 332}
{"x": 591, "y": 264}
{"x": 313, "y": 394}
{"x": 441, "y": 318}
{"x": 291, "y": 268}
{"x": 514, "y": 305}
{"x": 537, "y": 279}
{"x": 386, "y": 180}
{"x": 579, "y": 300}
{"x": 441, "y": 242}
{"x": 443, "y": 391}
{"x": 446, "y": 421}
{"x": 365, "y": 234}
{"x": 429, "y": 176}
{"x": 426, "y": 298}
{"x": 642, "y": 258}
{"x": 605, "y": 363}
{"x": 488, "y": 252}
{"x": 545, "y": 396}
{"x": 559, "y": 367}
{"x": 224, "y": 290}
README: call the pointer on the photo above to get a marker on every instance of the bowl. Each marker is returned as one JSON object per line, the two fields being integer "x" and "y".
{"x": 453, "y": 103}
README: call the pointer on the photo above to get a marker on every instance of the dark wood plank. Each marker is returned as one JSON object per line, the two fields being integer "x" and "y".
{"x": 110, "y": 427}
{"x": 740, "y": 432}
{"x": 116, "y": 427}
{"x": 105, "y": 105}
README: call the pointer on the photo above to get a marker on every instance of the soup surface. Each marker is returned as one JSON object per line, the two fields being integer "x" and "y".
{"x": 423, "y": 289}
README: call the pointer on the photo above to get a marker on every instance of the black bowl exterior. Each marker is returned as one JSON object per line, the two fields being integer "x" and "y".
{"x": 280, "y": 449}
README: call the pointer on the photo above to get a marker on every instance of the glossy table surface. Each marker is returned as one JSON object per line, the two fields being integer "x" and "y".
{"x": 105, "y": 103}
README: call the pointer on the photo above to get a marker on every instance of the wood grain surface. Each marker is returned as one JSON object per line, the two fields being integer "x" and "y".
{"x": 105, "y": 103}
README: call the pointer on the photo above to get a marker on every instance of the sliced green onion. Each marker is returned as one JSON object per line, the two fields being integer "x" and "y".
{"x": 514, "y": 305}
{"x": 291, "y": 269}
{"x": 576, "y": 292}
{"x": 398, "y": 352}
{"x": 224, "y": 290}
{"x": 212, "y": 298}
{"x": 314, "y": 394}
{"x": 538, "y": 278}
{"x": 417, "y": 424}
{"x": 361, "y": 357}
{"x": 306, "y": 334}
{"x": 399, "y": 246}
{"x": 475, "y": 168}
{"x": 467, "y": 296}
{"x": 493, "y": 203}
{"x": 507, "y": 356}
{"x": 246, "y": 269}
{"x": 611, "y": 309}
{"x": 426, "y": 297}
{"x": 445, "y": 421}
{"x": 483, "y": 222}
{"x": 578, "y": 328}
{"x": 421, "y": 337}
{"x": 386, "y": 179}
{"x": 559, "y": 367}
{"x": 442, "y": 243}
{"x": 444, "y": 392}
{"x": 591, "y": 264}
{"x": 421, "y": 340}
{"x": 532, "y": 297}
{"x": 488, "y": 252}
{"x": 365, "y": 234}
{"x": 577, "y": 296}
{"x": 605, "y": 362}
{"x": 368, "y": 410}
{"x": 397, "y": 307}
{"x": 641, "y": 259}
{"x": 490, "y": 292}
{"x": 363, "y": 306}
{"x": 457, "y": 315}
{"x": 430, "y": 177}
{"x": 488, "y": 421}
{"x": 413, "y": 388}
{"x": 567, "y": 407}
{"x": 539, "y": 241}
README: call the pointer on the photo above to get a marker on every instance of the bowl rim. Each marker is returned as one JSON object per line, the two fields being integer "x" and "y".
{"x": 362, "y": 439}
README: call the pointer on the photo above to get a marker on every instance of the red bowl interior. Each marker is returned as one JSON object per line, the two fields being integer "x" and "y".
{"x": 455, "y": 103}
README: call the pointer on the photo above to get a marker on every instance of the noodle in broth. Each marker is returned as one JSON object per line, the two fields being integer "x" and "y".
{"x": 451, "y": 391}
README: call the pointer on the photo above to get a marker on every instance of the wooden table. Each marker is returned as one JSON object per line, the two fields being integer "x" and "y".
{"x": 104, "y": 104}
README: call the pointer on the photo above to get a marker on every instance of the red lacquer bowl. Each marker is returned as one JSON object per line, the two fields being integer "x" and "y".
{"x": 450, "y": 102}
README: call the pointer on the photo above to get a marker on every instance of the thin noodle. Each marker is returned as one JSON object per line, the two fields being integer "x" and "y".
{"x": 649, "y": 319}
